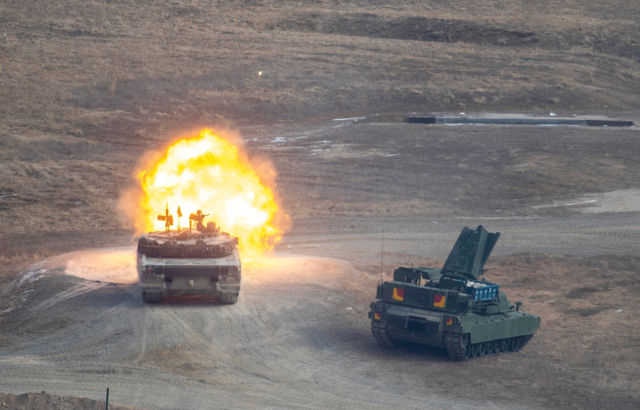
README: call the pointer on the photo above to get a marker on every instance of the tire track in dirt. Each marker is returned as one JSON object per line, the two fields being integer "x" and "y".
{"x": 74, "y": 291}
{"x": 90, "y": 345}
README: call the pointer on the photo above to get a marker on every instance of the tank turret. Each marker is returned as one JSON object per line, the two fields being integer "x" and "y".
{"x": 203, "y": 262}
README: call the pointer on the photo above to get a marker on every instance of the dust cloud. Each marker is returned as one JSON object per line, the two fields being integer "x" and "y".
{"x": 105, "y": 265}
{"x": 300, "y": 269}
{"x": 118, "y": 265}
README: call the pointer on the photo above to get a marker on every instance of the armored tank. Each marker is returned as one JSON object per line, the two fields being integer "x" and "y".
{"x": 451, "y": 307}
{"x": 202, "y": 262}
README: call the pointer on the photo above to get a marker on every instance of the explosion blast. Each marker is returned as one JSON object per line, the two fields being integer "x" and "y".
{"x": 211, "y": 173}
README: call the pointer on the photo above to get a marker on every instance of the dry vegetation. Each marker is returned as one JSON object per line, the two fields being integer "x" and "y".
{"x": 588, "y": 305}
{"x": 362, "y": 172}
{"x": 86, "y": 86}
{"x": 44, "y": 401}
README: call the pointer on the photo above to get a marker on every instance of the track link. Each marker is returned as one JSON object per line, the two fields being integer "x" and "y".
{"x": 229, "y": 299}
{"x": 151, "y": 297}
{"x": 456, "y": 344}
{"x": 524, "y": 342}
{"x": 459, "y": 348}
{"x": 381, "y": 333}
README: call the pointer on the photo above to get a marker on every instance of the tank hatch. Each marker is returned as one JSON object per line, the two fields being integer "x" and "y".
{"x": 470, "y": 252}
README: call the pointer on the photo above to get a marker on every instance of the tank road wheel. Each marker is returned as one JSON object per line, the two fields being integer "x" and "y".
{"x": 151, "y": 297}
{"x": 381, "y": 333}
{"x": 482, "y": 348}
{"x": 229, "y": 298}
{"x": 475, "y": 350}
{"x": 458, "y": 346}
{"x": 522, "y": 342}
{"x": 491, "y": 347}
{"x": 515, "y": 344}
{"x": 504, "y": 345}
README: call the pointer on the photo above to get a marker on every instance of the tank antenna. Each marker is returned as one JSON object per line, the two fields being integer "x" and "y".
{"x": 168, "y": 219}
{"x": 382, "y": 255}
{"x": 166, "y": 212}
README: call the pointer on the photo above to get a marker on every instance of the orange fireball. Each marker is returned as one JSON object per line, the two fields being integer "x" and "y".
{"x": 212, "y": 174}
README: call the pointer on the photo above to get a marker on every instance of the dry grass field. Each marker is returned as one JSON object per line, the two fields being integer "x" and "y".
{"x": 588, "y": 305}
{"x": 87, "y": 87}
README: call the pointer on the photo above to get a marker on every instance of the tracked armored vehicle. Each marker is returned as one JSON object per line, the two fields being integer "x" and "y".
{"x": 202, "y": 262}
{"x": 450, "y": 307}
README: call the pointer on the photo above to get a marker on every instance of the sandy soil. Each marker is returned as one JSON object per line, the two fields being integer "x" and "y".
{"x": 624, "y": 200}
{"x": 299, "y": 337}
{"x": 45, "y": 401}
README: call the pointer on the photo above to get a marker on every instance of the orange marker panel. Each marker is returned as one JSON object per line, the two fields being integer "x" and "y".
{"x": 398, "y": 294}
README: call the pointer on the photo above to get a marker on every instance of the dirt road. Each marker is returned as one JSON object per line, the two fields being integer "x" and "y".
{"x": 290, "y": 342}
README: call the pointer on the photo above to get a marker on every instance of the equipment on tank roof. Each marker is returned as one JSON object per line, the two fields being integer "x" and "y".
{"x": 167, "y": 218}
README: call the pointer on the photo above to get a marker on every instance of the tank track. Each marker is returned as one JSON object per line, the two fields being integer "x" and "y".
{"x": 229, "y": 299}
{"x": 151, "y": 297}
{"x": 526, "y": 341}
{"x": 381, "y": 333}
{"x": 456, "y": 346}
{"x": 459, "y": 349}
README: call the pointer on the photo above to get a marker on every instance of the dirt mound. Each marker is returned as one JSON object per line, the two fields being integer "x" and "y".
{"x": 44, "y": 401}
